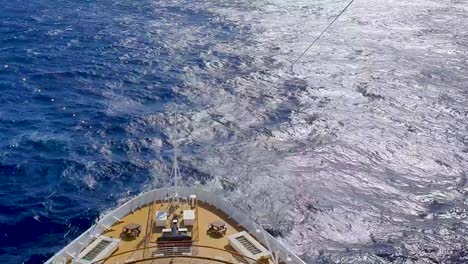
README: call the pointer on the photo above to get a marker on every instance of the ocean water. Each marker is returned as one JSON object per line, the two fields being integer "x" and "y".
{"x": 358, "y": 154}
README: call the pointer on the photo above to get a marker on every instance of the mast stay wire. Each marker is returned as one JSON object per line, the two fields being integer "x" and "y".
{"x": 322, "y": 33}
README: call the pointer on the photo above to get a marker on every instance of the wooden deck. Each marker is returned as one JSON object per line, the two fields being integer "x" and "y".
{"x": 205, "y": 246}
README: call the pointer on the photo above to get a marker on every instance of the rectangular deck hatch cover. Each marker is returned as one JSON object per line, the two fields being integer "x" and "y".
{"x": 100, "y": 248}
{"x": 97, "y": 249}
{"x": 247, "y": 246}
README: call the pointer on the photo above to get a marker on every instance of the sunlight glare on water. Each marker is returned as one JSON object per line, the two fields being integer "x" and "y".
{"x": 357, "y": 155}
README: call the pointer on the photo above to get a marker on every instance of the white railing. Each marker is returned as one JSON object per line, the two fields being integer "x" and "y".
{"x": 76, "y": 246}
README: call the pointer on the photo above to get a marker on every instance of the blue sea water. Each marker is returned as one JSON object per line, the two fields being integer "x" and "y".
{"x": 74, "y": 75}
{"x": 356, "y": 155}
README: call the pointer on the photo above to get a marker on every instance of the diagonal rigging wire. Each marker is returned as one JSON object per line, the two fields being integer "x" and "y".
{"x": 321, "y": 34}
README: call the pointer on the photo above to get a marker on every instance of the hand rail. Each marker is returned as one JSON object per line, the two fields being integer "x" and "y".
{"x": 251, "y": 260}
{"x": 182, "y": 256}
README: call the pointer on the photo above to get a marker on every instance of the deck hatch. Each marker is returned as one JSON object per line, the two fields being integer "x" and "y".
{"x": 100, "y": 248}
{"x": 248, "y": 245}
{"x": 97, "y": 249}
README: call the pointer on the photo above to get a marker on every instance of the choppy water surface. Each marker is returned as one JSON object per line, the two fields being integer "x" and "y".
{"x": 357, "y": 155}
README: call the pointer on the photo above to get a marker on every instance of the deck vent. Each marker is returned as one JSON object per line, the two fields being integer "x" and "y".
{"x": 100, "y": 248}
{"x": 247, "y": 246}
